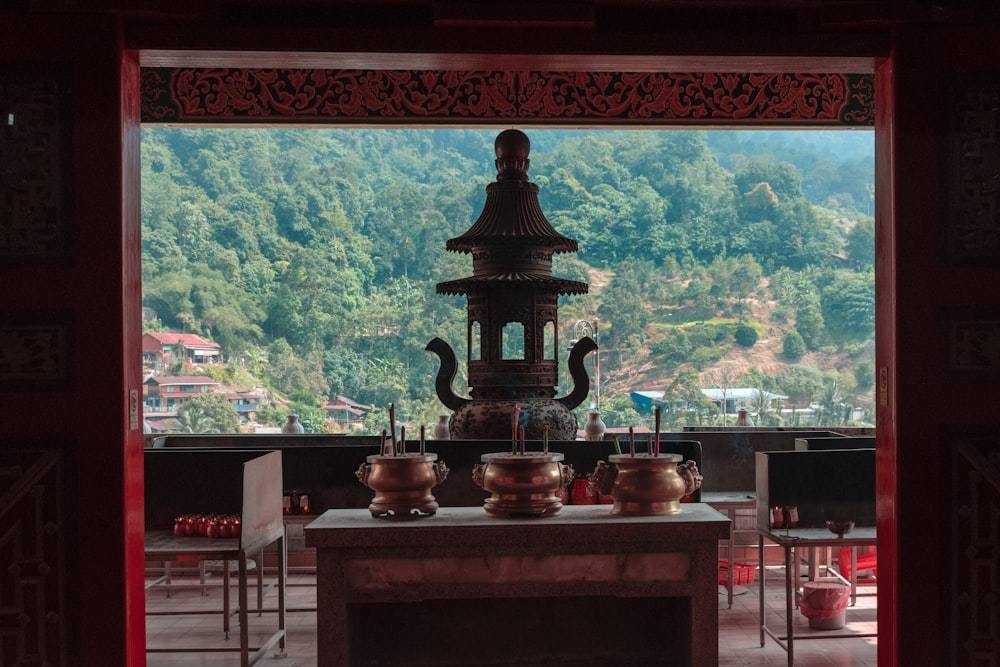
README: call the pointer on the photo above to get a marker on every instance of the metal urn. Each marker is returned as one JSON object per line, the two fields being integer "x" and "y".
{"x": 512, "y": 314}
{"x": 646, "y": 484}
{"x": 523, "y": 484}
{"x": 402, "y": 484}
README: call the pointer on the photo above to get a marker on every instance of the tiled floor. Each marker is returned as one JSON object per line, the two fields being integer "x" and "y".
{"x": 739, "y": 629}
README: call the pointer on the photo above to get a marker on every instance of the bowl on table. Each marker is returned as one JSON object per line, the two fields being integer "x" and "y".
{"x": 840, "y": 527}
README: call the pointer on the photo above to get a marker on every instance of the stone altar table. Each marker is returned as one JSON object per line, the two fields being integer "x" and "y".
{"x": 465, "y": 588}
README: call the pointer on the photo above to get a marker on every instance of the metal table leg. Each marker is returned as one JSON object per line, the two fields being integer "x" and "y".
{"x": 225, "y": 597}
{"x": 729, "y": 552}
{"x": 789, "y": 601}
{"x": 761, "y": 573}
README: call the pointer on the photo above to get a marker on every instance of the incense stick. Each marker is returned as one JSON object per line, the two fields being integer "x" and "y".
{"x": 656, "y": 449}
{"x": 392, "y": 426}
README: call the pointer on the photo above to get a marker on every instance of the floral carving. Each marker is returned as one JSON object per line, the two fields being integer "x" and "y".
{"x": 277, "y": 95}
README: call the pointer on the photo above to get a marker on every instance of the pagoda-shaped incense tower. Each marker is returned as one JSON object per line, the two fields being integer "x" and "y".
{"x": 513, "y": 320}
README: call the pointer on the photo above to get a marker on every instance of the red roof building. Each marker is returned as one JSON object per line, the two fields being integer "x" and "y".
{"x": 161, "y": 349}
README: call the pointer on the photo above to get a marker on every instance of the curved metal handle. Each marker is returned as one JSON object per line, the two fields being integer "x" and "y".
{"x": 446, "y": 374}
{"x": 603, "y": 478}
{"x": 363, "y": 472}
{"x": 577, "y": 371}
{"x": 689, "y": 473}
{"x": 566, "y": 475}
{"x": 440, "y": 471}
{"x": 478, "y": 474}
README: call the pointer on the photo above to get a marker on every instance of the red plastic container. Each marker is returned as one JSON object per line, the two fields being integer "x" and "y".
{"x": 743, "y": 574}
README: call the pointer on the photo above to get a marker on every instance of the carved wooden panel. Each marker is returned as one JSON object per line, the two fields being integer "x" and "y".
{"x": 36, "y": 352}
{"x": 33, "y": 621}
{"x": 975, "y": 574}
{"x": 286, "y": 95}
{"x": 970, "y": 342}
{"x": 34, "y": 221}
{"x": 973, "y": 233}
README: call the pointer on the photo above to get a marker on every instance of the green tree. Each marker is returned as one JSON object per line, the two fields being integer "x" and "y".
{"x": 809, "y": 323}
{"x": 620, "y": 412}
{"x": 793, "y": 347}
{"x": 864, "y": 374}
{"x": 209, "y": 413}
{"x": 834, "y": 409}
{"x": 675, "y": 347}
{"x": 623, "y": 305}
{"x": 387, "y": 382}
{"x": 271, "y": 415}
{"x": 703, "y": 357}
{"x": 860, "y": 243}
{"x": 312, "y": 418}
{"x": 760, "y": 202}
{"x": 745, "y": 335}
{"x": 765, "y": 411}
{"x": 781, "y": 178}
{"x": 792, "y": 287}
{"x": 744, "y": 280}
{"x": 685, "y": 391}
{"x": 848, "y": 305}
{"x": 345, "y": 371}
{"x": 698, "y": 293}
{"x": 288, "y": 372}
{"x": 800, "y": 383}
{"x": 316, "y": 300}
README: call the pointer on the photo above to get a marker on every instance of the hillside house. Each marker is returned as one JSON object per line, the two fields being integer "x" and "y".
{"x": 734, "y": 399}
{"x": 346, "y": 413}
{"x": 247, "y": 403}
{"x": 166, "y": 393}
{"x": 161, "y": 349}
{"x": 737, "y": 398}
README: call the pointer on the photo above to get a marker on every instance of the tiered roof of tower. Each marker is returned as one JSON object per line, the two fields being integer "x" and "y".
{"x": 512, "y": 243}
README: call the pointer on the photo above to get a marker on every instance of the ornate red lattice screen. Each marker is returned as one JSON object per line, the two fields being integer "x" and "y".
{"x": 273, "y": 96}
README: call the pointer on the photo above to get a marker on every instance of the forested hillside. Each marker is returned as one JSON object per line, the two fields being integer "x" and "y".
{"x": 311, "y": 256}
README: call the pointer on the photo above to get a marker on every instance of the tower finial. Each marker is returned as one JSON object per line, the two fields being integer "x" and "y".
{"x": 512, "y": 148}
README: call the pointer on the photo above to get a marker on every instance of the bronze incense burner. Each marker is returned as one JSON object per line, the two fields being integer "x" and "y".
{"x": 523, "y": 484}
{"x": 402, "y": 484}
{"x": 646, "y": 484}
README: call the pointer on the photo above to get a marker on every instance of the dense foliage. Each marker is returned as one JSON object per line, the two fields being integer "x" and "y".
{"x": 311, "y": 255}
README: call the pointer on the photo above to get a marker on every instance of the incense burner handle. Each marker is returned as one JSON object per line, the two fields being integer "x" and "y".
{"x": 363, "y": 472}
{"x": 566, "y": 475}
{"x": 577, "y": 371}
{"x": 440, "y": 472}
{"x": 479, "y": 474}
{"x": 689, "y": 473}
{"x": 446, "y": 374}
{"x": 603, "y": 478}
